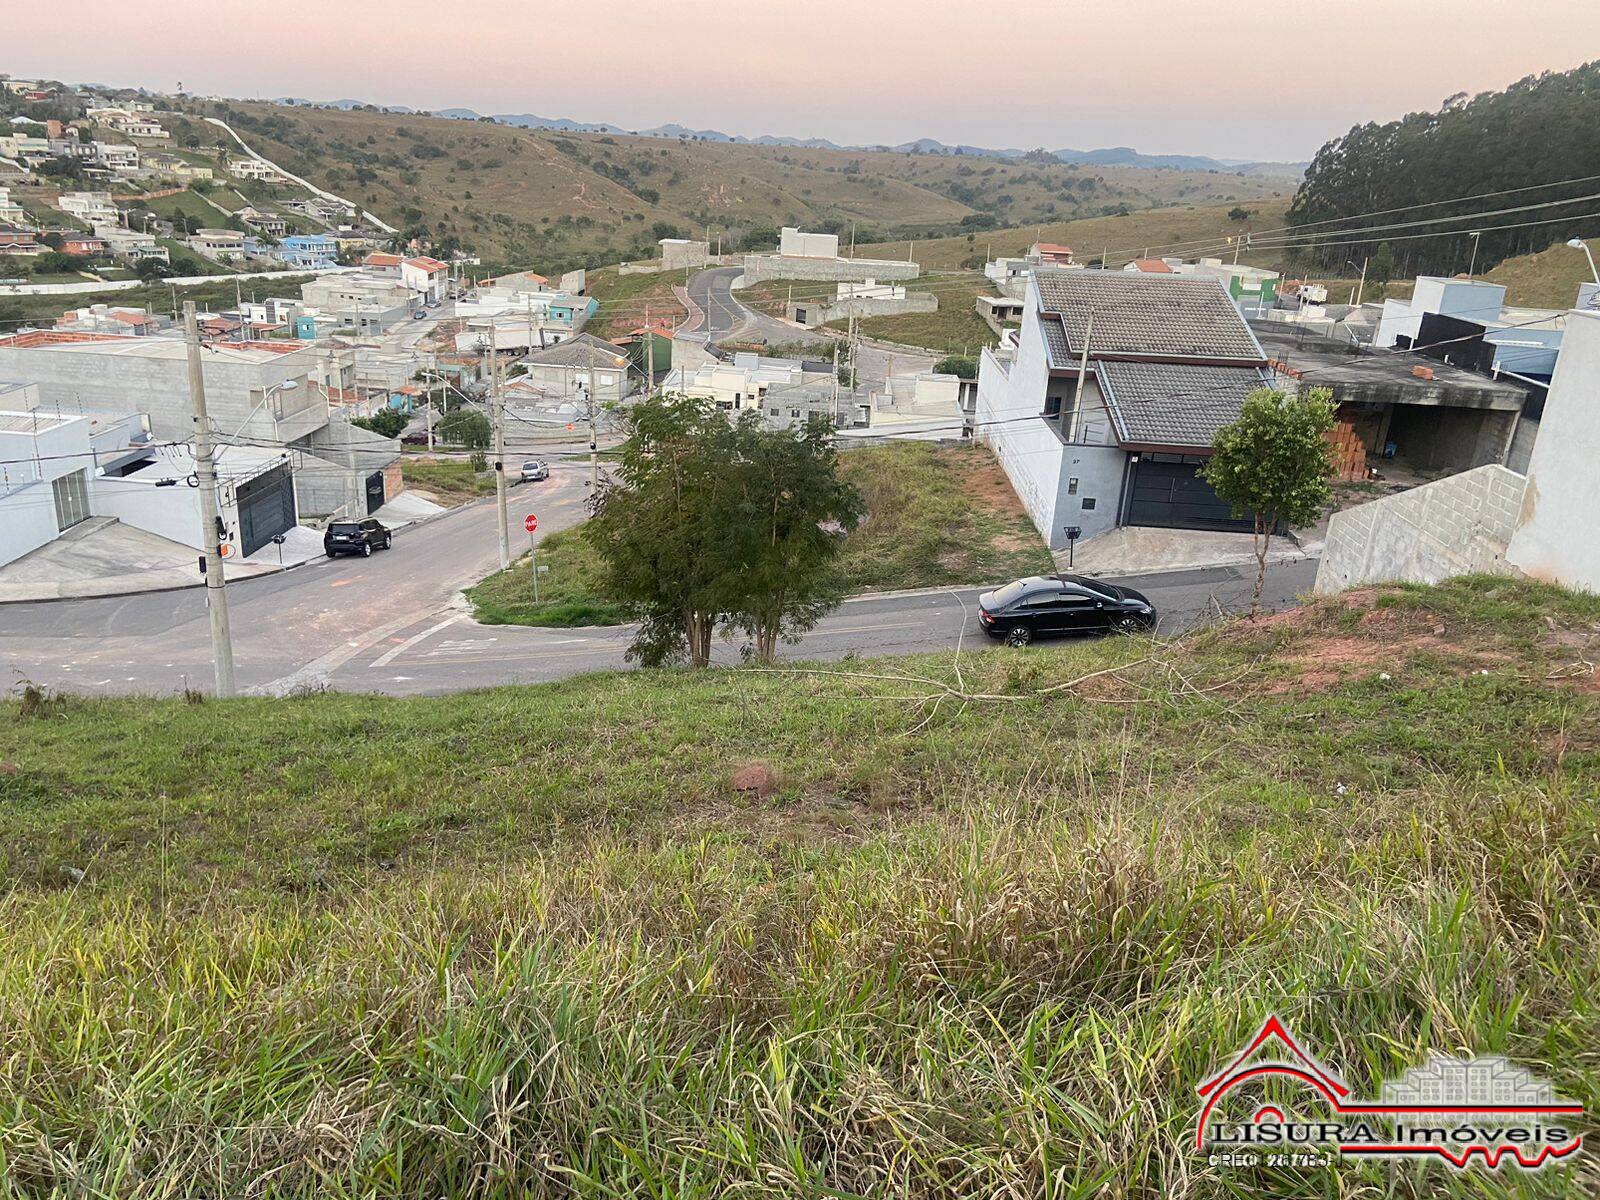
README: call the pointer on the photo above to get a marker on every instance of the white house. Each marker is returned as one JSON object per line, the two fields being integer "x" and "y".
{"x": 250, "y": 168}
{"x": 117, "y": 157}
{"x": 795, "y": 243}
{"x": 92, "y": 208}
{"x": 1170, "y": 361}
{"x": 427, "y": 277}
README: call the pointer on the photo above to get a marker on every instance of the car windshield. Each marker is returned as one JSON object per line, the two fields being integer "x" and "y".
{"x": 1093, "y": 585}
{"x": 1011, "y": 593}
{"x": 344, "y": 527}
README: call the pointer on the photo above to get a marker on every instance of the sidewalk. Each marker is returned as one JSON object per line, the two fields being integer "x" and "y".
{"x": 1137, "y": 550}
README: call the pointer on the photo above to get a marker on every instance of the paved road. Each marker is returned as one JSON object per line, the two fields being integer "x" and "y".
{"x": 391, "y": 623}
{"x": 728, "y": 319}
{"x": 289, "y": 629}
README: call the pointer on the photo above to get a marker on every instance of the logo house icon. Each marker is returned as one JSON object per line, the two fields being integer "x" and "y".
{"x": 1490, "y": 1081}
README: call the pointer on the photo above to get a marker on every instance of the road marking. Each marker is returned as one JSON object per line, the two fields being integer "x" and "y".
{"x": 384, "y": 659}
{"x": 341, "y": 582}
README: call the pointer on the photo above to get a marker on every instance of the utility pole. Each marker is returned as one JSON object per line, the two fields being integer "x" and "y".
{"x": 205, "y": 469}
{"x": 1362, "y": 286}
{"x": 497, "y": 407}
{"x": 1083, "y": 369}
{"x": 594, "y": 438}
{"x": 439, "y": 379}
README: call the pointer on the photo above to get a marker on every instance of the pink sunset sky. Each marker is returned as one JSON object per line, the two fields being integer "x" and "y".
{"x": 1219, "y": 77}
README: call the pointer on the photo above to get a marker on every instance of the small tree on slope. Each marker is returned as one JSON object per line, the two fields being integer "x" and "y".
{"x": 1274, "y": 462}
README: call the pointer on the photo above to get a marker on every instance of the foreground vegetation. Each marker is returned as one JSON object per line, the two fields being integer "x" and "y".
{"x": 936, "y": 515}
{"x": 956, "y": 949}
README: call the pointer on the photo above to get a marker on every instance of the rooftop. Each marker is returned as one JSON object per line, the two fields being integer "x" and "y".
{"x": 1360, "y": 374}
{"x": 1136, "y": 315}
{"x": 580, "y": 351}
{"x": 66, "y": 342}
{"x": 1171, "y": 405}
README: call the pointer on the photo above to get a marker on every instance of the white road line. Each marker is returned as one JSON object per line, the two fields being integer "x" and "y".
{"x": 386, "y": 658}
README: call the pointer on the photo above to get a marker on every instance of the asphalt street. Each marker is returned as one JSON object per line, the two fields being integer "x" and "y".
{"x": 726, "y": 319}
{"x": 393, "y": 623}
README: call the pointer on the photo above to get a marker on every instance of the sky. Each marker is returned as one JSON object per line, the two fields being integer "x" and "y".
{"x": 1218, "y": 77}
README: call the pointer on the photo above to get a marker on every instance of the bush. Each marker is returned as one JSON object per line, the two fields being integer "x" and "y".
{"x": 388, "y": 422}
{"x": 964, "y": 366}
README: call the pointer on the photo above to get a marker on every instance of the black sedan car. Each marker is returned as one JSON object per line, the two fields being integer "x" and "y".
{"x": 1059, "y": 605}
{"x": 356, "y": 537}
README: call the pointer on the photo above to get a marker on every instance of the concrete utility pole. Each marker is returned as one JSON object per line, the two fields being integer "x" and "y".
{"x": 498, "y": 408}
{"x": 205, "y": 469}
{"x": 439, "y": 379}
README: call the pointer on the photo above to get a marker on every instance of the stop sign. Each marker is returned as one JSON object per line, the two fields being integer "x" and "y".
{"x": 530, "y": 522}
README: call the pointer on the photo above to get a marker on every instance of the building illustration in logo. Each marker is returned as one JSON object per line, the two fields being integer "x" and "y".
{"x": 1443, "y": 1080}
{"x": 1480, "y": 1111}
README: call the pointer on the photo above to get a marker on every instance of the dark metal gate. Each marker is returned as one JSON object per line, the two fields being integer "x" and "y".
{"x": 374, "y": 491}
{"x": 1168, "y": 491}
{"x": 266, "y": 508}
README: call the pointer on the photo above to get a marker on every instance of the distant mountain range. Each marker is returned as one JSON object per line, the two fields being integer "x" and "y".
{"x": 1114, "y": 156}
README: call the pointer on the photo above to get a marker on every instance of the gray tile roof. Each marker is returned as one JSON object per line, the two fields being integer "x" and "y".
{"x": 584, "y": 350}
{"x": 1173, "y": 316}
{"x": 1173, "y": 404}
{"x": 1055, "y": 343}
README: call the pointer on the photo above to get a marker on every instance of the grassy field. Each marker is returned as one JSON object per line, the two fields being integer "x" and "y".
{"x": 532, "y": 941}
{"x": 553, "y": 200}
{"x": 1180, "y": 230}
{"x": 955, "y": 327}
{"x": 449, "y": 481}
{"x": 625, "y": 300}
{"x": 935, "y": 515}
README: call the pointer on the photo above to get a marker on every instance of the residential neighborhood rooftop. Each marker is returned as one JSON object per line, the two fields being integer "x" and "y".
{"x": 1162, "y": 405}
{"x": 1146, "y": 316}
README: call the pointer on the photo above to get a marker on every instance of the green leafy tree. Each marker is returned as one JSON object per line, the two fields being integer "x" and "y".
{"x": 1274, "y": 463}
{"x": 150, "y": 270}
{"x": 793, "y": 513}
{"x": 663, "y": 529}
{"x": 1381, "y": 268}
{"x": 387, "y": 422}
{"x": 466, "y": 427}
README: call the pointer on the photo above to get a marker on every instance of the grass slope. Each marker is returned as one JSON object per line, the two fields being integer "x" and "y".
{"x": 1183, "y": 229}
{"x": 551, "y": 199}
{"x": 532, "y": 941}
{"x": 936, "y": 515}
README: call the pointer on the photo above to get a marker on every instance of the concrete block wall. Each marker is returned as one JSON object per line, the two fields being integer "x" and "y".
{"x": 819, "y": 312}
{"x": 760, "y": 267}
{"x": 1456, "y": 526}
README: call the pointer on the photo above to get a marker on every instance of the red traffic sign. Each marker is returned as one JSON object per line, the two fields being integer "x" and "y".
{"x": 530, "y": 522}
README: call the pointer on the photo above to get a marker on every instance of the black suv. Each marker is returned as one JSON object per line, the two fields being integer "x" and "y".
{"x": 356, "y": 537}
{"x": 1058, "y": 605}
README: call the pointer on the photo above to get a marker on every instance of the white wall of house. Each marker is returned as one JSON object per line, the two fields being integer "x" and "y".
{"x": 37, "y": 450}
{"x": 1555, "y": 538}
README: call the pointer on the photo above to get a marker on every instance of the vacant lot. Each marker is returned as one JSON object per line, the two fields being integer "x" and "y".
{"x": 627, "y": 301}
{"x": 449, "y": 481}
{"x": 935, "y": 515}
{"x": 977, "y": 937}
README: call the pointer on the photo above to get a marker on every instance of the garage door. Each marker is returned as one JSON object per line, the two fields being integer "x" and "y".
{"x": 1169, "y": 492}
{"x": 266, "y": 508}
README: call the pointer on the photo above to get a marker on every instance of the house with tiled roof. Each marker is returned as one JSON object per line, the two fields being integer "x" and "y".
{"x": 1103, "y": 405}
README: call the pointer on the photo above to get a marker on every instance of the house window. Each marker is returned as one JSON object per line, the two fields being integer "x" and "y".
{"x": 72, "y": 499}
{"x": 1088, "y": 503}
{"x": 1072, "y": 486}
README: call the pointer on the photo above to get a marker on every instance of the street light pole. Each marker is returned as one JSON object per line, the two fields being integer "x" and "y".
{"x": 1083, "y": 369}
{"x": 1580, "y": 244}
{"x": 205, "y": 469}
{"x": 497, "y": 407}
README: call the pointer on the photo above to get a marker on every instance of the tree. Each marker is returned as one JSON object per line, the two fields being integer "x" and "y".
{"x": 1381, "y": 269}
{"x": 149, "y": 270}
{"x": 963, "y": 366}
{"x": 1239, "y": 213}
{"x": 466, "y": 427}
{"x": 663, "y": 529}
{"x": 793, "y": 514}
{"x": 1274, "y": 463}
{"x": 387, "y": 422}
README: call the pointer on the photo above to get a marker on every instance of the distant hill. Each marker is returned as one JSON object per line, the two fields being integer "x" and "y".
{"x": 1116, "y": 156}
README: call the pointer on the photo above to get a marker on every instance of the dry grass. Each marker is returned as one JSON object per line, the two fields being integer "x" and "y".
{"x": 532, "y": 942}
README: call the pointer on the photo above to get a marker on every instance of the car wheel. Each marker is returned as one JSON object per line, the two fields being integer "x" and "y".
{"x": 388, "y": 540}
{"x": 1019, "y": 635}
{"x": 331, "y": 554}
{"x": 366, "y": 549}
{"x": 1128, "y": 625}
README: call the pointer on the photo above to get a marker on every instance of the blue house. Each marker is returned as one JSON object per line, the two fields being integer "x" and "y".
{"x": 309, "y": 250}
{"x": 566, "y": 310}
